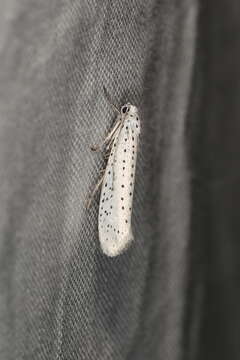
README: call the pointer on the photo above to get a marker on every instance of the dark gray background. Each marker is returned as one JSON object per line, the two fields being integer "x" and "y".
{"x": 175, "y": 293}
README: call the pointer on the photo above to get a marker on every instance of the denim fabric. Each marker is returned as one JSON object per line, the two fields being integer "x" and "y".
{"x": 60, "y": 297}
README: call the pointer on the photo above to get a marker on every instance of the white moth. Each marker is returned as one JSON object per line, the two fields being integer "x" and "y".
{"x": 115, "y": 208}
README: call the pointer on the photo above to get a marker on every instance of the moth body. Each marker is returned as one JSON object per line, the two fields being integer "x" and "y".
{"x": 115, "y": 207}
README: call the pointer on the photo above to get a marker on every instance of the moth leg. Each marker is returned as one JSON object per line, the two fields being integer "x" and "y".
{"x": 99, "y": 183}
{"x": 109, "y": 137}
{"x": 111, "y": 142}
{"x": 106, "y": 156}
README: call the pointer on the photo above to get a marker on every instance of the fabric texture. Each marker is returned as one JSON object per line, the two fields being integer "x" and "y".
{"x": 166, "y": 297}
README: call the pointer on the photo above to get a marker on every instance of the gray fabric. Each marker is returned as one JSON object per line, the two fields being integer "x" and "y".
{"x": 215, "y": 155}
{"x": 60, "y": 297}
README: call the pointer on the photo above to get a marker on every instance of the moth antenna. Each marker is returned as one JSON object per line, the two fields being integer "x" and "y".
{"x": 109, "y": 100}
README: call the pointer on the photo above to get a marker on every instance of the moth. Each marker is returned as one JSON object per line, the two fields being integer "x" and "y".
{"x": 117, "y": 182}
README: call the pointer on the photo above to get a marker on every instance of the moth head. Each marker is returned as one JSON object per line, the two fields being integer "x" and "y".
{"x": 128, "y": 109}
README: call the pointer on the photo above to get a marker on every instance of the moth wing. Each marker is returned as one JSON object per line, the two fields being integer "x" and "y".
{"x": 115, "y": 212}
